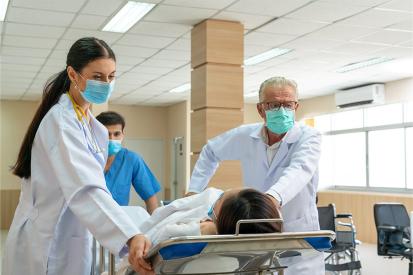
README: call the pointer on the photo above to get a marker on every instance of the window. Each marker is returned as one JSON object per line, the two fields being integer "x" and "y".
{"x": 347, "y": 120}
{"x": 357, "y": 151}
{"x": 408, "y": 112}
{"x": 323, "y": 123}
{"x": 326, "y": 165}
{"x": 349, "y": 159}
{"x": 386, "y": 158}
{"x": 383, "y": 115}
{"x": 409, "y": 157}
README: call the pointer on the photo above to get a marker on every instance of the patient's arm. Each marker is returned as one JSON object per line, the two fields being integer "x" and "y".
{"x": 208, "y": 228}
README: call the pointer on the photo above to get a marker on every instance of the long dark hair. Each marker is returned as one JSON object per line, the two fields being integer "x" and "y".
{"x": 247, "y": 204}
{"x": 82, "y": 52}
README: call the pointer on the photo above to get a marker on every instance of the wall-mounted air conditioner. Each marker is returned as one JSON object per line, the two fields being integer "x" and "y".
{"x": 361, "y": 95}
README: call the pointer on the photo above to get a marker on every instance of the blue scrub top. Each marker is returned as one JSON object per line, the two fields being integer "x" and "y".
{"x": 129, "y": 168}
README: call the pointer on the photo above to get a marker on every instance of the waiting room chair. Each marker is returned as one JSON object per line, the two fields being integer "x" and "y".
{"x": 343, "y": 255}
{"x": 393, "y": 232}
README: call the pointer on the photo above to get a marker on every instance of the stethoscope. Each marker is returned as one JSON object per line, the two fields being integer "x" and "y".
{"x": 81, "y": 116}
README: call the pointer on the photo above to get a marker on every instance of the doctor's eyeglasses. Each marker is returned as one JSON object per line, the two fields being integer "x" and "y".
{"x": 275, "y": 105}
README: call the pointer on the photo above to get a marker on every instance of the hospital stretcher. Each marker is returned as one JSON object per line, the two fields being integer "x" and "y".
{"x": 244, "y": 254}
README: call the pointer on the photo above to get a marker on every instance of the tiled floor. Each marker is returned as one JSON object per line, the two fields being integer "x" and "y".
{"x": 371, "y": 263}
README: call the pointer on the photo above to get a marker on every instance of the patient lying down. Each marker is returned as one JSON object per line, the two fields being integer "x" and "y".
{"x": 208, "y": 213}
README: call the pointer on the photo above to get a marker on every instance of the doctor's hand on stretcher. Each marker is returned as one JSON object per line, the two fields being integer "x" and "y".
{"x": 138, "y": 247}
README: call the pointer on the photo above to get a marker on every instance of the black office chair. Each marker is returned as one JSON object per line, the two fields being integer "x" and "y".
{"x": 343, "y": 255}
{"x": 393, "y": 231}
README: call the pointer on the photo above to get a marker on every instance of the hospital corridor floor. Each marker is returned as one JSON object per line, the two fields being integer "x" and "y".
{"x": 371, "y": 263}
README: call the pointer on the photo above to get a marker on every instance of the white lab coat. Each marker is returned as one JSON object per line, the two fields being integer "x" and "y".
{"x": 64, "y": 200}
{"x": 292, "y": 174}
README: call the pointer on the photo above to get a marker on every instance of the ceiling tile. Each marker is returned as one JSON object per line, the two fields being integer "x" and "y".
{"x": 406, "y": 25}
{"x": 313, "y": 44}
{"x": 267, "y": 39}
{"x": 151, "y": 70}
{"x": 108, "y": 37}
{"x": 9, "y": 50}
{"x": 102, "y": 7}
{"x": 159, "y": 29}
{"x": 89, "y": 22}
{"x": 164, "y": 63}
{"x": 65, "y": 6}
{"x": 355, "y": 48}
{"x": 250, "y": 21}
{"x": 59, "y": 54}
{"x": 12, "y": 59}
{"x": 123, "y": 68}
{"x": 399, "y": 5}
{"x": 377, "y": 18}
{"x": 326, "y": 12}
{"x": 39, "y": 17}
{"x": 33, "y": 30}
{"x": 128, "y": 60}
{"x": 5, "y": 74}
{"x": 343, "y": 32}
{"x": 18, "y": 67}
{"x": 251, "y": 50}
{"x": 173, "y": 55}
{"x": 396, "y": 52}
{"x": 387, "y": 37}
{"x": 24, "y": 41}
{"x": 178, "y": 15}
{"x": 365, "y": 3}
{"x": 133, "y": 51}
{"x": 156, "y": 42}
{"x": 181, "y": 45}
{"x": 210, "y": 4}
{"x": 291, "y": 26}
{"x": 274, "y": 8}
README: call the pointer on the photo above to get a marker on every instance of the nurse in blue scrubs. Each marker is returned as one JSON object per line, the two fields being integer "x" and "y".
{"x": 125, "y": 167}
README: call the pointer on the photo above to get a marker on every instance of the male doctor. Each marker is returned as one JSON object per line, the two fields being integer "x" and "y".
{"x": 279, "y": 157}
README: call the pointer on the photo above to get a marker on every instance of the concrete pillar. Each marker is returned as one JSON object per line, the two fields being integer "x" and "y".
{"x": 217, "y": 101}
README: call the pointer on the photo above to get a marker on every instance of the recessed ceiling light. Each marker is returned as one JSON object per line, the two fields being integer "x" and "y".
{"x": 265, "y": 56}
{"x": 3, "y": 9}
{"x": 363, "y": 64}
{"x": 180, "y": 89}
{"x": 131, "y": 13}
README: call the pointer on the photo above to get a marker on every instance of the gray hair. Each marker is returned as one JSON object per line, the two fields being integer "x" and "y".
{"x": 277, "y": 81}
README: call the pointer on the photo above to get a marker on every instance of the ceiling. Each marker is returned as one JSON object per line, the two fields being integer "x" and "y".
{"x": 154, "y": 55}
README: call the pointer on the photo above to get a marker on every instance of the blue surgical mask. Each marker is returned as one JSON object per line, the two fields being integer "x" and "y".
{"x": 280, "y": 121}
{"x": 97, "y": 92}
{"x": 114, "y": 146}
{"x": 211, "y": 212}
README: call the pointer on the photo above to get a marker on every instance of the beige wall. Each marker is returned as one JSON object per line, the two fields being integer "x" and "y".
{"x": 15, "y": 119}
{"x": 251, "y": 114}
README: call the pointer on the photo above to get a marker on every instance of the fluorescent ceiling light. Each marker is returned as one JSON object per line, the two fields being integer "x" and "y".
{"x": 131, "y": 13}
{"x": 362, "y": 64}
{"x": 265, "y": 56}
{"x": 180, "y": 89}
{"x": 252, "y": 94}
{"x": 3, "y": 9}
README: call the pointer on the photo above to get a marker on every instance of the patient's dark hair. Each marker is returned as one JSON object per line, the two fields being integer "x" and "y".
{"x": 247, "y": 204}
{"x": 111, "y": 118}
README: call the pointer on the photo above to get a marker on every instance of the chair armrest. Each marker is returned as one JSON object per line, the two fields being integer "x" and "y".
{"x": 387, "y": 227}
{"x": 344, "y": 215}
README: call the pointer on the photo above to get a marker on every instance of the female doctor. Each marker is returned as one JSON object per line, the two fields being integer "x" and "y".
{"x": 64, "y": 199}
